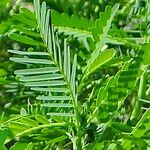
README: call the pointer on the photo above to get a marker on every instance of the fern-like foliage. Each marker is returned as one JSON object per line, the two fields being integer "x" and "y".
{"x": 22, "y": 125}
{"x": 64, "y": 20}
{"x": 118, "y": 88}
{"x": 97, "y": 113}
{"x": 100, "y": 32}
{"x": 69, "y": 25}
{"x": 100, "y": 55}
{"x": 53, "y": 76}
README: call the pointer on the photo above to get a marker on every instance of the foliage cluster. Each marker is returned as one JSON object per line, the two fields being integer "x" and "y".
{"x": 75, "y": 75}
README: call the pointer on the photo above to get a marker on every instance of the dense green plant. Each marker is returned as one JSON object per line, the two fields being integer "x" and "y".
{"x": 79, "y": 83}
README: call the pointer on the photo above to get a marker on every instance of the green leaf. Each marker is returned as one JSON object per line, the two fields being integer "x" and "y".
{"x": 46, "y": 27}
{"x": 28, "y": 53}
{"x": 28, "y": 14}
{"x": 26, "y": 30}
{"x": 59, "y": 53}
{"x": 28, "y": 131}
{"x": 19, "y": 145}
{"x": 73, "y": 74}
{"x": 64, "y": 20}
{"x": 61, "y": 114}
{"x": 41, "y": 77}
{"x": 65, "y": 58}
{"x": 146, "y": 55}
{"x": 19, "y": 126}
{"x": 41, "y": 119}
{"x": 24, "y": 39}
{"x": 68, "y": 63}
{"x": 37, "y": 9}
{"x": 29, "y": 60}
{"x": 36, "y": 71}
{"x": 56, "y": 105}
{"x": 29, "y": 122}
{"x": 145, "y": 101}
{"x": 103, "y": 58}
{"x": 49, "y": 42}
{"x": 46, "y": 83}
{"x": 101, "y": 29}
{"x": 43, "y": 14}
{"x": 51, "y": 89}
{"x": 49, "y": 98}
{"x": 103, "y": 24}
{"x": 53, "y": 43}
{"x": 58, "y": 139}
{"x": 25, "y": 20}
